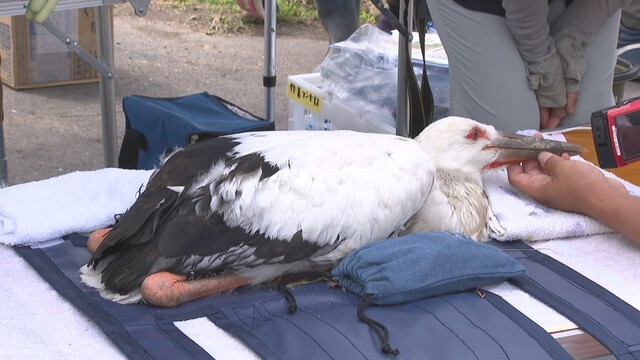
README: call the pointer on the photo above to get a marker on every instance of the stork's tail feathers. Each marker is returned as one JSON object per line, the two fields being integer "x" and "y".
{"x": 93, "y": 278}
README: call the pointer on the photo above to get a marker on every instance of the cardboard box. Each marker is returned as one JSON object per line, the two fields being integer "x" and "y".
{"x": 33, "y": 57}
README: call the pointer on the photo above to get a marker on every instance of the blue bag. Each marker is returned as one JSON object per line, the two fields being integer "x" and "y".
{"x": 155, "y": 126}
{"x": 419, "y": 266}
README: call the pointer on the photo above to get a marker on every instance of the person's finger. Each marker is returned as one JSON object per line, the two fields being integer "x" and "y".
{"x": 531, "y": 167}
{"x": 559, "y": 112}
{"x": 514, "y": 170}
{"x": 572, "y": 101}
{"x": 554, "y": 120}
{"x": 544, "y": 117}
{"x": 549, "y": 161}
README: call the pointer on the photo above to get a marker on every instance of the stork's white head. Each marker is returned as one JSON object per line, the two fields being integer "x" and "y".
{"x": 461, "y": 148}
{"x": 470, "y": 146}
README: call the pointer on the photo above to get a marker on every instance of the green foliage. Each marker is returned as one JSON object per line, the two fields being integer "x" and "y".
{"x": 297, "y": 10}
{"x": 226, "y": 16}
{"x": 368, "y": 13}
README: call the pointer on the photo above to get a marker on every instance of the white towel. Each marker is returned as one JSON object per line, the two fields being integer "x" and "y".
{"x": 81, "y": 201}
{"x": 38, "y": 323}
{"x": 525, "y": 219}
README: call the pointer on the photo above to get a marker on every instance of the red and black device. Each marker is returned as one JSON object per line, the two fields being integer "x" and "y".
{"x": 616, "y": 134}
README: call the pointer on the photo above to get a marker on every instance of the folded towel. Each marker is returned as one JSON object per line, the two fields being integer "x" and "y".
{"x": 525, "y": 219}
{"x": 81, "y": 201}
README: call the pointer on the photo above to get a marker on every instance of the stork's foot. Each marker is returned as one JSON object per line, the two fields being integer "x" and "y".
{"x": 168, "y": 289}
{"x": 95, "y": 239}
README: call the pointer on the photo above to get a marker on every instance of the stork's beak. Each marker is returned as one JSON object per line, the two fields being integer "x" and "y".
{"x": 513, "y": 148}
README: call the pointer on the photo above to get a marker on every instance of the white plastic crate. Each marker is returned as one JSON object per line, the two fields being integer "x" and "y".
{"x": 355, "y": 90}
{"x": 312, "y": 108}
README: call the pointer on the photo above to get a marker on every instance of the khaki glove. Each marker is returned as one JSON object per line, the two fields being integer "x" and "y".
{"x": 574, "y": 59}
{"x": 39, "y": 10}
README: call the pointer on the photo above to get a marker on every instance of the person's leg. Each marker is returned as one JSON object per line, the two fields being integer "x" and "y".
{"x": 487, "y": 76}
{"x": 340, "y": 18}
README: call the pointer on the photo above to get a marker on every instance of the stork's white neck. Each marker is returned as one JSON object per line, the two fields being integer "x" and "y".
{"x": 456, "y": 203}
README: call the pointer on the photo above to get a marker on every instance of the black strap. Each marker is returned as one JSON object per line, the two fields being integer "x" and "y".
{"x": 381, "y": 331}
{"x": 306, "y": 276}
{"x": 132, "y": 142}
{"x": 420, "y": 96}
{"x": 597, "y": 311}
{"x": 420, "y": 99}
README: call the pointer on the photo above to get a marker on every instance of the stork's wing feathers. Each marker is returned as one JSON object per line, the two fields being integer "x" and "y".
{"x": 132, "y": 230}
{"x": 140, "y": 222}
{"x": 185, "y": 165}
{"x": 338, "y": 186}
{"x": 192, "y": 235}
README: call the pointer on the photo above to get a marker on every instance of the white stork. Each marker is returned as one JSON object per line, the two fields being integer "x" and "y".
{"x": 247, "y": 208}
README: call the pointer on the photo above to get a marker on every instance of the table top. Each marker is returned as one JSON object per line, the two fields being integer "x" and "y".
{"x": 584, "y": 138}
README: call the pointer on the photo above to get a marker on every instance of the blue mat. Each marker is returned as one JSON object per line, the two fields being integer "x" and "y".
{"x": 326, "y": 326}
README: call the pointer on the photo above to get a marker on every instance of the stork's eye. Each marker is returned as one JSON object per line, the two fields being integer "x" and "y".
{"x": 474, "y": 134}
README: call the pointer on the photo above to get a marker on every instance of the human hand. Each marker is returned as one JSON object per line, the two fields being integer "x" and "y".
{"x": 39, "y": 10}
{"x": 562, "y": 183}
{"x": 572, "y": 102}
{"x": 550, "y": 118}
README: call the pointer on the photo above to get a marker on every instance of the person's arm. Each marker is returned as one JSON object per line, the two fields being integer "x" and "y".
{"x": 555, "y": 58}
{"x": 578, "y": 187}
{"x": 527, "y": 22}
{"x": 576, "y": 27}
{"x": 582, "y": 19}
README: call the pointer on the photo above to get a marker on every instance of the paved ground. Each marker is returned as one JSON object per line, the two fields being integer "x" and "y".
{"x": 54, "y": 131}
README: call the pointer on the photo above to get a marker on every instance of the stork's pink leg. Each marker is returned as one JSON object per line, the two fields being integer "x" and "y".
{"x": 168, "y": 289}
{"x": 95, "y": 239}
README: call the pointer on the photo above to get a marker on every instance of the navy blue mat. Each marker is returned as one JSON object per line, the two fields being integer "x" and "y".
{"x": 326, "y": 326}
{"x": 597, "y": 311}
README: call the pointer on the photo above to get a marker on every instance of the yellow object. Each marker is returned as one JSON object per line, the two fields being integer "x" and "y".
{"x": 304, "y": 97}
